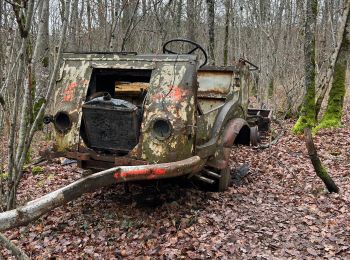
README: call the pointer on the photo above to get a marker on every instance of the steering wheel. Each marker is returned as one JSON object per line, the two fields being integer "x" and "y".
{"x": 196, "y": 47}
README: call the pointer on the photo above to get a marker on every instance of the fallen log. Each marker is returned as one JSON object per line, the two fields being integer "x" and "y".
{"x": 38, "y": 207}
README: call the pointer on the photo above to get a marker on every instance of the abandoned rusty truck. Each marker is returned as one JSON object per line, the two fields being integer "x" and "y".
{"x": 152, "y": 116}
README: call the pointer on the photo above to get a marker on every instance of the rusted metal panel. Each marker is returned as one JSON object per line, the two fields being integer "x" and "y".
{"x": 210, "y": 104}
{"x": 69, "y": 95}
{"x": 205, "y": 124}
{"x": 124, "y": 160}
{"x": 260, "y": 117}
{"x": 169, "y": 73}
{"x": 170, "y": 97}
{"x": 230, "y": 133}
{"x": 216, "y": 87}
{"x": 230, "y": 110}
{"x": 245, "y": 85}
{"x": 215, "y": 84}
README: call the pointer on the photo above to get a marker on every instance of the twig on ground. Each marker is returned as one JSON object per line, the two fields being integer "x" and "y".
{"x": 17, "y": 252}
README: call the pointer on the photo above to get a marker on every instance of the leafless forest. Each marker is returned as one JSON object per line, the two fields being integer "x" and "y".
{"x": 268, "y": 33}
{"x": 298, "y": 47}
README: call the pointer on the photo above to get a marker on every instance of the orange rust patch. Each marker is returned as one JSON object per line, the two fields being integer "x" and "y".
{"x": 69, "y": 92}
{"x": 149, "y": 173}
{"x": 176, "y": 93}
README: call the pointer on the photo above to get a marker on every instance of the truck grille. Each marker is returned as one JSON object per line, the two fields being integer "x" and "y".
{"x": 111, "y": 124}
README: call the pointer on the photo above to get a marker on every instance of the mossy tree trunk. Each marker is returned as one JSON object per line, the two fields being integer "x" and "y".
{"x": 334, "y": 110}
{"x": 323, "y": 87}
{"x": 307, "y": 113}
{"x": 319, "y": 168}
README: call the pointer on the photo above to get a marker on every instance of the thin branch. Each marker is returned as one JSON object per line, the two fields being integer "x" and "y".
{"x": 14, "y": 4}
{"x": 13, "y": 248}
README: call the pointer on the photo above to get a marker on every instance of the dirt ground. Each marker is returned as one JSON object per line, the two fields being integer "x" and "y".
{"x": 279, "y": 211}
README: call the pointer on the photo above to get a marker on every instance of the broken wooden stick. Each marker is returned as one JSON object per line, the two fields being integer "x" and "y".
{"x": 316, "y": 162}
{"x": 17, "y": 252}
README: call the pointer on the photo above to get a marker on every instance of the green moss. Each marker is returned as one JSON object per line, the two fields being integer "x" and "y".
{"x": 45, "y": 62}
{"x": 307, "y": 113}
{"x": 333, "y": 114}
{"x": 28, "y": 156}
{"x": 314, "y": 7}
{"x": 328, "y": 181}
{"x": 271, "y": 88}
{"x": 4, "y": 176}
{"x": 37, "y": 170}
{"x": 36, "y": 107}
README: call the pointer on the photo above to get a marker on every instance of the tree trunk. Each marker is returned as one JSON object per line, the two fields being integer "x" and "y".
{"x": 115, "y": 21}
{"x": 191, "y": 20}
{"x": 178, "y": 17}
{"x": 334, "y": 110}
{"x": 334, "y": 57}
{"x": 26, "y": 132}
{"x": 211, "y": 26}
{"x": 307, "y": 113}
{"x": 319, "y": 168}
{"x": 129, "y": 20}
{"x": 24, "y": 29}
{"x": 41, "y": 57}
{"x": 73, "y": 37}
{"x": 227, "y": 29}
{"x": 36, "y": 208}
{"x": 88, "y": 11}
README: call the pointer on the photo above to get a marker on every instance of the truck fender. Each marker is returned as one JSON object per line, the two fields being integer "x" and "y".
{"x": 236, "y": 131}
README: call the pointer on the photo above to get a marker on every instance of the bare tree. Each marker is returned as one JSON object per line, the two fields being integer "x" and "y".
{"x": 41, "y": 55}
{"x": 27, "y": 128}
{"x": 190, "y": 20}
{"x": 227, "y": 29}
{"x": 211, "y": 30}
{"x": 24, "y": 25}
{"x": 307, "y": 114}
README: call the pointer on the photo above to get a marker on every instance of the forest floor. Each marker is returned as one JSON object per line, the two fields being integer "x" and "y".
{"x": 280, "y": 210}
